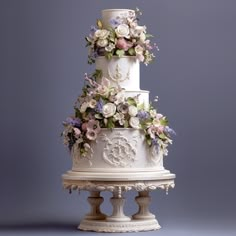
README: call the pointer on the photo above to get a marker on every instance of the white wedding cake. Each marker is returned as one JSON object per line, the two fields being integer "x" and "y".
{"x": 116, "y": 134}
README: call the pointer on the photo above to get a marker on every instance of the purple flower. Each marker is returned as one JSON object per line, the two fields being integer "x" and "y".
{"x": 169, "y": 131}
{"x": 76, "y": 122}
{"x": 114, "y": 22}
{"x": 142, "y": 115}
{"x": 99, "y": 106}
{"x": 93, "y": 29}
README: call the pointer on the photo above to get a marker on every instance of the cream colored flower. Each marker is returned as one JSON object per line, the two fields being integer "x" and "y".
{"x": 134, "y": 122}
{"x": 122, "y": 31}
{"x": 102, "y": 34}
{"x": 138, "y": 50}
{"x": 153, "y": 113}
{"x": 102, "y": 42}
{"x": 110, "y": 47}
{"x": 120, "y": 117}
{"x": 156, "y": 122}
{"x": 142, "y": 37}
{"x": 83, "y": 107}
{"x": 109, "y": 110}
{"x": 92, "y": 103}
{"x": 132, "y": 110}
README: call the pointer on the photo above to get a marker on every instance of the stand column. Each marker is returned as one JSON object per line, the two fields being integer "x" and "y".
{"x": 95, "y": 200}
{"x": 118, "y": 202}
{"x": 143, "y": 200}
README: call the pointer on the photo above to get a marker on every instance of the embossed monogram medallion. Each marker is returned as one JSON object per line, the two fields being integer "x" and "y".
{"x": 118, "y": 76}
{"x": 118, "y": 150}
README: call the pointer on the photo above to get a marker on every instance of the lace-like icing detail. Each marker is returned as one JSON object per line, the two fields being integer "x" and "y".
{"x": 118, "y": 76}
{"x": 119, "y": 151}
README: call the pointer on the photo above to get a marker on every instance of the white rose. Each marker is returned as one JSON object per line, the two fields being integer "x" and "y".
{"x": 102, "y": 34}
{"x": 122, "y": 31}
{"x": 138, "y": 50}
{"x": 132, "y": 110}
{"x": 109, "y": 110}
{"x": 83, "y": 107}
{"x": 134, "y": 122}
{"x": 102, "y": 42}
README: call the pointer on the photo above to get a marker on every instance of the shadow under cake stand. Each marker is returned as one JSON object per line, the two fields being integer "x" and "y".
{"x": 97, "y": 221}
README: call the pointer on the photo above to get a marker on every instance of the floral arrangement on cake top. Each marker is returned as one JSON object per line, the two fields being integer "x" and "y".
{"x": 124, "y": 38}
{"x": 103, "y": 106}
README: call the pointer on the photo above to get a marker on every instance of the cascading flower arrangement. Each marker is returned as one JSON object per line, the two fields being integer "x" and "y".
{"x": 104, "y": 106}
{"x": 124, "y": 38}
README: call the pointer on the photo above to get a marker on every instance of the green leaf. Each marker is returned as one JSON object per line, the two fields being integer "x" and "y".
{"x": 77, "y": 112}
{"x": 110, "y": 123}
{"x": 131, "y": 52}
{"x": 126, "y": 124}
{"x": 162, "y": 136}
{"x": 97, "y": 74}
{"x": 149, "y": 35}
{"x": 131, "y": 101}
{"x": 120, "y": 52}
{"x": 149, "y": 141}
{"x": 164, "y": 121}
{"x": 99, "y": 24}
{"x": 108, "y": 55}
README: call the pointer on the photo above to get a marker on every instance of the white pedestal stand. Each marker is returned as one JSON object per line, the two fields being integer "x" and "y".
{"x": 143, "y": 220}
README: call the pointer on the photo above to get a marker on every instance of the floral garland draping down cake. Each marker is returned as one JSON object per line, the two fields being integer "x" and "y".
{"x": 103, "y": 105}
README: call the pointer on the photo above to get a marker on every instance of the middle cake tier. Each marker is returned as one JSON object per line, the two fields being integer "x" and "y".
{"x": 121, "y": 71}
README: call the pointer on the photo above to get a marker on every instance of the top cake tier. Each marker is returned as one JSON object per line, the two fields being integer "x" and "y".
{"x": 110, "y": 14}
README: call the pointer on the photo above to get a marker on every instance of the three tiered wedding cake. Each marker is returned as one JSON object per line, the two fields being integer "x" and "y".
{"x": 115, "y": 133}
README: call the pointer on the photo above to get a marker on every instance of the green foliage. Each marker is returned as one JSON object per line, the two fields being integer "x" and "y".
{"x": 108, "y": 55}
{"x": 110, "y": 123}
{"x": 131, "y": 52}
{"x": 120, "y": 52}
{"x": 97, "y": 74}
{"x": 164, "y": 121}
{"x": 99, "y": 24}
{"x": 131, "y": 101}
{"x": 149, "y": 36}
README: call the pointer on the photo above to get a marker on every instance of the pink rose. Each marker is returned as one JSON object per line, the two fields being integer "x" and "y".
{"x": 123, "y": 44}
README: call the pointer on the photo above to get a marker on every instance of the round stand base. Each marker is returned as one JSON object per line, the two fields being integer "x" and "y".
{"x": 119, "y": 227}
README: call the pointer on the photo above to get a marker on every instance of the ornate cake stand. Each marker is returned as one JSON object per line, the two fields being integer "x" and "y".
{"x": 97, "y": 221}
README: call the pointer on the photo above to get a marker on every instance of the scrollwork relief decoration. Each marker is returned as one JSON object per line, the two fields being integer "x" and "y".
{"x": 119, "y": 151}
{"x": 118, "y": 75}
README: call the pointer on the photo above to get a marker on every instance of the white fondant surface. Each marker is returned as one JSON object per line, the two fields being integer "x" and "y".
{"x": 123, "y": 71}
{"x": 119, "y": 151}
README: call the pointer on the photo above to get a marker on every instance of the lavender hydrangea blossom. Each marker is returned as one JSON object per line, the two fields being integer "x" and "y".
{"x": 169, "y": 131}
{"x": 99, "y": 106}
{"x": 76, "y": 122}
{"x": 143, "y": 115}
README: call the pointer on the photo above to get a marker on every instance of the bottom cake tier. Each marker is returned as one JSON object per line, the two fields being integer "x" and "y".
{"x": 119, "y": 154}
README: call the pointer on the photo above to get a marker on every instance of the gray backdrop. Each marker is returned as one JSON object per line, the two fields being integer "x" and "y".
{"x": 42, "y": 62}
